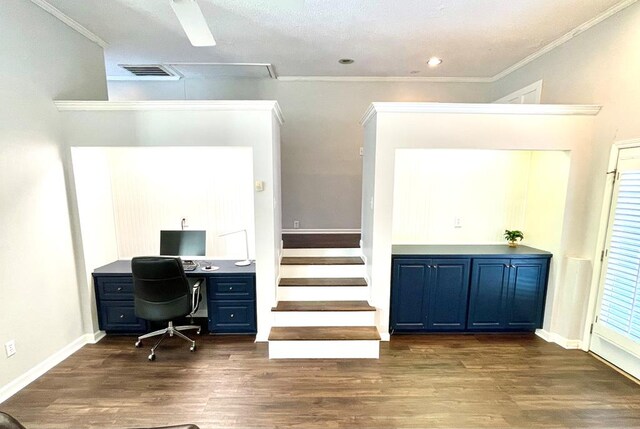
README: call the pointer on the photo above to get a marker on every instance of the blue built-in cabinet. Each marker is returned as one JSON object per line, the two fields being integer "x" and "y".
{"x": 468, "y": 288}
{"x": 231, "y": 298}
{"x": 429, "y": 294}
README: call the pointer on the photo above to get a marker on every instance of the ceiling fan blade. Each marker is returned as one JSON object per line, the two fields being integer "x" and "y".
{"x": 193, "y": 22}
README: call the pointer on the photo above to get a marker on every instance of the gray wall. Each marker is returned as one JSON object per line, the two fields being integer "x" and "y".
{"x": 41, "y": 59}
{"x": 600, "y": 66}
{"x": 321, "y": 136}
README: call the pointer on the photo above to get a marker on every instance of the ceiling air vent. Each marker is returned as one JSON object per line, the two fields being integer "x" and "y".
{"x": 150, "y": 71}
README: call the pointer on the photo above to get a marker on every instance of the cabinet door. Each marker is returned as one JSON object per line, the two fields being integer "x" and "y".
{"x": 489, "y": 280}
{"x": 526, "y": 292}
{"x": 448, "y": 293}
{"x": 409, "y": 298}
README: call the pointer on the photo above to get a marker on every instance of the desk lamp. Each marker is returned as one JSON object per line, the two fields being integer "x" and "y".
{"x": 247, "y": 261}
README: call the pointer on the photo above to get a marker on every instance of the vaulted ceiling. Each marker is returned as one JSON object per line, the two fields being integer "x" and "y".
{"x": 475, "y": 38}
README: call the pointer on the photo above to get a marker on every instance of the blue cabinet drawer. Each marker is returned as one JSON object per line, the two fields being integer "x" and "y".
{"x": 114, "y": 288}
{"x": 120, "y": 316}
{"x": 231, "y": 287}
{"x": 232, "y": 316}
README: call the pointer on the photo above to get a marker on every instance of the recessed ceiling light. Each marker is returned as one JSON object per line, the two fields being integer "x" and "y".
{"x": 345, "y": 61}
{"x": 434, "y": 61}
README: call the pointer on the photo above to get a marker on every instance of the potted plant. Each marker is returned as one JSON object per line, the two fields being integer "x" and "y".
{"x": 512, "y": 236}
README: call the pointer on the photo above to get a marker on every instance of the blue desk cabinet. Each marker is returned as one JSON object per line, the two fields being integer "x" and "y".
{"x": 231, "y": 298}
{"x": 468, "y": 288}
{"x": 429, "y": 294}
{"x": 232, "y": 304}
{"x": 114, "y": 302}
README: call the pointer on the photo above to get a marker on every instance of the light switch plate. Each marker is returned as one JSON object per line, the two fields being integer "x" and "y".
{"x": 10, "y": 348}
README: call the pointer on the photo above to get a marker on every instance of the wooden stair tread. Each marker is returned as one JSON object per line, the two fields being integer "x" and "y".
{"x": 324, "y": 333}
{"x": 322, "y": 260}
{"x": 321, "y": 241}
{"x": 323, "y": 306}
{"x": 320, "y": 281}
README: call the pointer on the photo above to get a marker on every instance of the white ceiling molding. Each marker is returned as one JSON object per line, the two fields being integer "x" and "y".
{"x": 440, "y": 79}
{"x": 70, "y": 22}
{"x": 133, "y": 77}
{"x": 565, "y": 38}
{"x": 559, "y": 41}
{"x": 270, "y": 69}
{"x": 176, "y": 105}
{"x": 480, "y": 108}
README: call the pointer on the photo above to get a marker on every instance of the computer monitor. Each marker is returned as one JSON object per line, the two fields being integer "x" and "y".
{"x": 183, "y": 243}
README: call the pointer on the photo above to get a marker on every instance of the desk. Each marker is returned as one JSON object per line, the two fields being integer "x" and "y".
{"x": 230, "y": 297}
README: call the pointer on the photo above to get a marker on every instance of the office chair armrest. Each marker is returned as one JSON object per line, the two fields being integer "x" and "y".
{"x": 195, "y": 296}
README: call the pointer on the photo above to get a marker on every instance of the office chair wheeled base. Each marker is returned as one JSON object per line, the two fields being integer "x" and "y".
{"x": 171, "y": 331}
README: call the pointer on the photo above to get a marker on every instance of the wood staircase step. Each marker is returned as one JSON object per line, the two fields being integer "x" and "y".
{"x": 322, "y": 281}
{"x": 322, "y": 260}
{"x": 324, "y": 333}
{"x": 323, "y": 306}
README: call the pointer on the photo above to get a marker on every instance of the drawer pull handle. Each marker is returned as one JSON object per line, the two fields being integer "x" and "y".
{"x": 230, "y": 288}
{"x": 232, "y": 315}
{"x": 122, "y": 316}
{"x": 119, "y": 288}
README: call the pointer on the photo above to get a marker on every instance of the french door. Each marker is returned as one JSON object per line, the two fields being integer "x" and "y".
{"x": 616, "y": 329}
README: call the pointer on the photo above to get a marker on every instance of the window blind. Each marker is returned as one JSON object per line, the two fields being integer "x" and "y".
{"x": 620, "y": 306}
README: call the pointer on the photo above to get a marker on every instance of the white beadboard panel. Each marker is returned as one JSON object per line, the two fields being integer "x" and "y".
{"x": 155, "y": 187}
{"x": 486, "y": 189}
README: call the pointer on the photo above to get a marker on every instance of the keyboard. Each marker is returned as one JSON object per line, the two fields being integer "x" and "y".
{"x": 189, "y": 265}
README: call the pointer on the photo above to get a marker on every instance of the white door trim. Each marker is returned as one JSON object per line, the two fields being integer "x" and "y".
{"x": 602, "y": 235}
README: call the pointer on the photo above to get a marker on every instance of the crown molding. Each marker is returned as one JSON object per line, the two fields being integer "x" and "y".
{"x": 565, "y": 38}
{"x": 474, "y": 79}
{"x": 75, "y": 25}
{"x": 441, "y": 79}
{"x": 174, "y": 105}
{"x": 480, "y": 108}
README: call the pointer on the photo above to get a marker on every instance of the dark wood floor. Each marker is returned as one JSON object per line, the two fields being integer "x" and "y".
{"x": 419, "y": 382}
{"x": 303, "y": 241}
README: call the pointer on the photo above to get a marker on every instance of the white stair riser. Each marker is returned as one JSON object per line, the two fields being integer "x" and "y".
{"x": 324, "y": 318}
{"x": 320, "y": 293}
{"x": 331, "y": 349}
{"x": 311, "y": 271}
{"x": 322, "y": 252}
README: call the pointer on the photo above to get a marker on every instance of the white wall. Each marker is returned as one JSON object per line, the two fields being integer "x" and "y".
{"x": 599, "y": 66}
{"x": 154, "y": 188}
{"x": 485, "y": 189}
{"x": 199, "y": 125}
{"x": 321, "y": 138}
{"x": 408, "y": 129}
{"x": 39, "y": 305}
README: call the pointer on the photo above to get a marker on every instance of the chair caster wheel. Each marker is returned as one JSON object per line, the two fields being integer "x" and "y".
{"x": 193, "y": 347}
{"x": 138, "y": 344}
{"x": 152, "y": 357}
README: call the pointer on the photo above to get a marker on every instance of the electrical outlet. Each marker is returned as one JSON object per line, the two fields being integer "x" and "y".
{"x": 10, "y": 348}
{"x": 296, "y": 224}
{"x": 361, "y": 151}
{"x": 457, "y": 222}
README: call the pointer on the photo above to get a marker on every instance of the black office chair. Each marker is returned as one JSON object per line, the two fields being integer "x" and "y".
{"x": 162, "y": 293}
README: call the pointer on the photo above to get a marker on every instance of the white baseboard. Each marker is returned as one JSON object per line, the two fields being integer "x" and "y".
{"x": 385, "y": 336}
{"x": 321, "y": 231}
{"x": 95, "y": 337}
{"x": 563, "y": 342}
{"x": 40, "y": 369}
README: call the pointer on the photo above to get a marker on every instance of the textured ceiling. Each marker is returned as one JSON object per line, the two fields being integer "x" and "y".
{"x": 475, "y": 38}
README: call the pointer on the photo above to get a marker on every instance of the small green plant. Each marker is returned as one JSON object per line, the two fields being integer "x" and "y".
{"x": 512, "y": 236}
